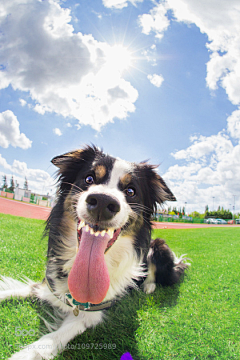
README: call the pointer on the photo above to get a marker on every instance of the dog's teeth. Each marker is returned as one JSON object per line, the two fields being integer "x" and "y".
{"x": 103, "y": 232}
{"x": 81, "y": 224}
{"x": 91, "y": 231}
{"x": 110, "y": 232}
{"x": 97, "y": 233}
{"x": 87, "y": 228}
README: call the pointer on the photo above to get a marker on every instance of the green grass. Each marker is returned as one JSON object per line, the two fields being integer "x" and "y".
{"x": 199, "y": 319}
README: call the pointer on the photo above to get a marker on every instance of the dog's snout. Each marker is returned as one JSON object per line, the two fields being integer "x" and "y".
{"x": 102, "y": 207}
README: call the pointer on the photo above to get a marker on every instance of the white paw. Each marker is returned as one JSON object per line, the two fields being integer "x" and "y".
{"x": 46, "y": 347}
{"x": 149, "y": 288}
{"x": 26, "y": 354}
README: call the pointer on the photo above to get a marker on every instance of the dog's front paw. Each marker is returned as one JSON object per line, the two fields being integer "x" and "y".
{"x": 26, "y": 354}
{"x": 149, "y": 288}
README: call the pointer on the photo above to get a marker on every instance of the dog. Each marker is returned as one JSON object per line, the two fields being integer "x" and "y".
{"x": 99, "y": 244}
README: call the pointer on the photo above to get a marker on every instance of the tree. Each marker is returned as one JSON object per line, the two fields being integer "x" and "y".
{"x": 195, "y": 214}
{"x": 5, "y": 185}
{"x": 12, "y": 186}
{"x": 221, "y": 214}
{"x": 174, "y": 210}
{"x": 25, "y": 184}
{"x": 206, "y": 211}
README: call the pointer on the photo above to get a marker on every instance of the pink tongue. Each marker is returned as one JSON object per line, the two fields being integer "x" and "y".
{"x": 88, "y": 280}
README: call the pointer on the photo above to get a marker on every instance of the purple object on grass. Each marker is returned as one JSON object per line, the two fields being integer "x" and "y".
{"x": 126, "y": 356}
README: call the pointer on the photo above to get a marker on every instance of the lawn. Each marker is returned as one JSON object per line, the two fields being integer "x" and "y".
{"x": 199, "y": 319}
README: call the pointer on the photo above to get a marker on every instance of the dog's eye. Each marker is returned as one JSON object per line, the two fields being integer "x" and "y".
{"x": 130, "y": 192}
{"x": 89, "y": 180}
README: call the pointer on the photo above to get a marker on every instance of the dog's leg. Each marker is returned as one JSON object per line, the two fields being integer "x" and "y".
{"x": 14, "y": 288}
{"x": 164, "y": 267}
{"x": 149, "y": 284}
{"x": 49, "y": 345}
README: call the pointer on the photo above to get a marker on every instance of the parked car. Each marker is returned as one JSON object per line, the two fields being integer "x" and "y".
{"x": 220, "y": 221}
{"x": 211, "y": 221}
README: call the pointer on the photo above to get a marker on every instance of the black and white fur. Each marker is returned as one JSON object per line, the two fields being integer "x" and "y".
{"x": 105, "y": 193}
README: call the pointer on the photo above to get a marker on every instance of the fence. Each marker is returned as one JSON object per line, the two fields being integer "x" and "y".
{"x": 177, "y": 219}
{"x": 46, "y": 203}
{"x": 170, "y": 218}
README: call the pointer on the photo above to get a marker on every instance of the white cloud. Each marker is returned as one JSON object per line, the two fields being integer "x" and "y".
{"x": 197, "y": 198}
{"x": 10, "y": 132}
{"x": 74, "y": 84}
{"x": 23, "y": 102}
{"x": 212, "y": 170}
{"x": 156, "y": 21}
{"x": 38, "y": 180}
{"x": 151, "y": 55}
{"x": 234, "y": 124}
{"x": 219, "y": 19}
{"x": 203, "y": 146}
{"x": 21, "y": 168}
{"x": 119, "y": 4}
{"x": 57, "y": 132}
{"x": 155, "y": 79}
{"x": 210, "y": 166}
{"x": 4, "y": 163}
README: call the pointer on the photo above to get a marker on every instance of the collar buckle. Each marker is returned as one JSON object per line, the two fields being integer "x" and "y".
{"x": 73, "y": 302}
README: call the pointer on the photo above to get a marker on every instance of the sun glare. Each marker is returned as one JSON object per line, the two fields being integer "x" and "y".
{"x": 119, "y": 58}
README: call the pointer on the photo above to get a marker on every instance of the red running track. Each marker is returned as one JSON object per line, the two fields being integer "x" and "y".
{"x": 26, "y": 210}
{"x": 172, "y": 225}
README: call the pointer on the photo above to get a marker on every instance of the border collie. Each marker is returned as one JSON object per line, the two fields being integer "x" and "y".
{"x": 99, "y": 244}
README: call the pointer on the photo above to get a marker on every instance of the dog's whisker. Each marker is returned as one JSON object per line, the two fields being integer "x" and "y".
{"x": 142, "y": 207}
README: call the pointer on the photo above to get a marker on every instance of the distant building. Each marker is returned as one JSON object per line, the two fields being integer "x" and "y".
{"x": 22, "y": 194}
{"x": 42, "y": 200}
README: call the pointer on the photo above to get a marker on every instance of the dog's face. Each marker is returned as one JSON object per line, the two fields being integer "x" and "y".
{"x": 109, "y": 198}
{"x": 109, "y": 192}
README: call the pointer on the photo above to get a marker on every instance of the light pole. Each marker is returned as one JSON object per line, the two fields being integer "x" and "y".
{"x": 233, "y": 206}
{"x": 213, "y": 201}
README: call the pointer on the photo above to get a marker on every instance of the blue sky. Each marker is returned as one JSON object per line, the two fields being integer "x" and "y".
{"x": 142, "y": 79}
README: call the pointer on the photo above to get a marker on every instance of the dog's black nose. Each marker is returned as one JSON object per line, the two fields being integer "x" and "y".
{"x": 102, "y": 207}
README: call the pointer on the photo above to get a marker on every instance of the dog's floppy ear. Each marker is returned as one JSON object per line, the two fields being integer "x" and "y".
{"x": 168, "y": 195}
{"x": 71, "y": 163}
{"x": 75, "y": 157}
{"x": 61, "y": 161}
{"x": 157, "y": 192}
